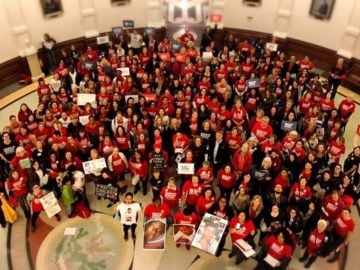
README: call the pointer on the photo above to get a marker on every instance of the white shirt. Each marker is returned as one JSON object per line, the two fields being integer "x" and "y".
{"x": 128, "y": 212}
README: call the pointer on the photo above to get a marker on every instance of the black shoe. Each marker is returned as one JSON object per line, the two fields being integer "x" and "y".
{"x": 135, "y": 191}
{"x": 99, "y": 197}
{"x": 231, "y": 255}
{"x": 302, "y": 259}
{"x": 308, "y": 264}
{"x": 133, "y": 236}
{"x": 126, "y": 237}
{"x": 109, "y": 205}
{"x": 238, "y": 261}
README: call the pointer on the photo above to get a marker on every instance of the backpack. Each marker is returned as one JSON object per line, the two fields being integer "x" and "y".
{"x": 82, "y": 210}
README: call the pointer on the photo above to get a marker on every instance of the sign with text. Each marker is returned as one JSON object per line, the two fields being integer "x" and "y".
{"x": 106, "y": 191}
{"x": 94, "y": 166}
{"x": 50, "y": 204}
{"x": 215, "y": 18}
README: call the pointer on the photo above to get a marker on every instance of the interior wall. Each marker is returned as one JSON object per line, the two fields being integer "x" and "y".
{"x": 291, "y": 18}
{"x": 81, "y": 17}
{"x": 71, "y": 24}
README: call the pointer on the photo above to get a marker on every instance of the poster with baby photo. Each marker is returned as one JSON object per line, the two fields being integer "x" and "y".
{"x": 183, "y": 233}
{"x": 154, "y": 234}
{"x": 209, "y": 233}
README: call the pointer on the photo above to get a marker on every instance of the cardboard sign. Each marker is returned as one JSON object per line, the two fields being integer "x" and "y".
{"x": 94, "y": 166}
{"x": 117, "y": 30}
{"x": 125, "y": 71}
{"x": 253, "y": 83}
{"x": 272, "y": 46}
{"x": 106, "y": 191}
{"x": 183, "y": 233}
{"x": 186, "y": 168}
{"x": 215, "y": 18}
{"x": 50, "y": 204}
{"x": 128, "y": 23}
{"x": 134, "y": 97}
{"x": 150, "y": 31}
{"x": 154, "y": 234}
{"x": 209, "y": 233}
{"x": 149, "y": 97}
{"x": 102, "y": 40}
{"x": 82, "y": 99}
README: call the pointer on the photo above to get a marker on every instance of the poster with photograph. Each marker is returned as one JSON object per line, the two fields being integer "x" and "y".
{"x": 183, "y": 233}
{"x": 209, "y": 233}
{"x": 50, "y": 204}
{"x": 154, "y": 234}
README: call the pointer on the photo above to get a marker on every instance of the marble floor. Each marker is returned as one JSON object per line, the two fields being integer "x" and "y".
{"x": 35, "y": 250}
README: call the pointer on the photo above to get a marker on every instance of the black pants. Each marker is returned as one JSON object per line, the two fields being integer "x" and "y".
{"x": 127, "y": 227}
{"x": 144, "y": 187}
{"x": 226, "y": 192}
{"x": 309, "y": 259}
{"x": 34, "y": 217}
{"x": 333, "y": 86}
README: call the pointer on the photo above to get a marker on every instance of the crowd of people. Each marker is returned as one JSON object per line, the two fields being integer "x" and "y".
{"x": 260, "y": 127}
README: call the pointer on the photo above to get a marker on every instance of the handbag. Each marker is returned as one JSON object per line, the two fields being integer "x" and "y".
{"x": 135, "y": 179}
{"x": 10, "y": 214}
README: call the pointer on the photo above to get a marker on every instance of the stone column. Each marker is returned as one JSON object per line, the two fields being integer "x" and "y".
{"x": 88, "y": 13}
{"x": 282, "y": 20}
{"x": 155, "y": 13}
{"x": 351, "y": 34}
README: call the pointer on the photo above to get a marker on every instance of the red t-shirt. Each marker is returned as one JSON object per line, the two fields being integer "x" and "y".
{"x": 241, "y": 230}
{"x": 226, "y": 180}
{"x": 170, "y": 196}
{"x": 343, "y": 227}
{"x": 276, "y": 249}
{"x": 193, "y": 193}
{"x": 151, "y": 211}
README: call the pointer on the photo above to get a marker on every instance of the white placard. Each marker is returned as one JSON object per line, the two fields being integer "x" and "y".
{"x": 82, "y": 99}
{"x": 94, "y": 166}
{"x": 50, "y": 204}
{"x": 125, "y": 71}
{"x": 186, "y": 168}
{"x": 207, "y": 55}
{"x": 245, "y": 248}
{"x": 84, "y": 119}
{"x": 102, "y": 40}
{"x": 135, "y": 97}
{"x": 272, "y": 46}
{"x": 271, "y": 260}
{"x": 70, "y": 231}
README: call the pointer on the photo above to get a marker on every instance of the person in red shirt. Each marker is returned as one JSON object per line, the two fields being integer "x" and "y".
{"x": 191, "y": 191}
{"x": 262, "y": 130}
{"x": 17, "y": 186}
{"x": 315, "y": 243}
{"x": 36, "y": 206}
{"x": 336, "y": 149}
{"x": 300, "y": 193}
{"x": 346, "y": 109}
{"x": 186, "y": 37}
{"x": 332, "y": 206}
{"x": 278, "y": 247}
{"x": 170, "y": 194}
{"x": 305, "y": 63}
{"x": 205, "y": 201}
{"x": 205, "y": 174}
{"x": 157, "y": 209}
{"x": 241, "y": 228}
{"x": 343, "y": 227}
{"x": 226, "y": 178}
{"x": 139, "y": 168}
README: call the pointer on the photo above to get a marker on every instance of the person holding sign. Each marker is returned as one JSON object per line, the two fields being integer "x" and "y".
{"x": 36, "y": 206}
{"x": 241, "y": 228}
{"x": 128, "y": 211}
